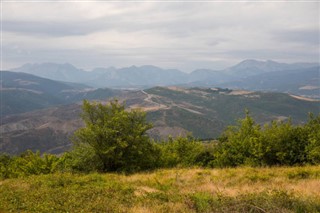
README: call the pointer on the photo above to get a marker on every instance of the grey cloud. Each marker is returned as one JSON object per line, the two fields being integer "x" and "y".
{"x": 299, "y": 36}
{"x": 54, "y": 29}
{"x": 273, "y": 54}
{"x": 187, "y": 35}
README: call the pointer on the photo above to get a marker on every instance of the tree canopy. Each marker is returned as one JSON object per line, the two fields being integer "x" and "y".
{"x": 116, "y": 137}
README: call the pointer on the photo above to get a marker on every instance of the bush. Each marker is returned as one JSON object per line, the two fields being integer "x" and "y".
{"x": 184, "y": 151}
{"x": 29, "y": 163}
{"x": 114, "y": 138}
{"x": 278, "y": 143}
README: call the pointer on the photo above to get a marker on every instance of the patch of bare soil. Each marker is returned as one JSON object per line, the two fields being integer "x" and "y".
{"x": 304, "y": 98}
{"x": 309, "y": 87}
{"x": 240, "y": 92}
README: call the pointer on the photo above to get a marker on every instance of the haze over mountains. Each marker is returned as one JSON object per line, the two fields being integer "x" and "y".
{"x": 41, "y": 103}
{"x": 299, "y": 78}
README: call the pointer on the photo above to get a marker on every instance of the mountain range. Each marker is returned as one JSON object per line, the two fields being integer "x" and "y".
{"x": 248, "y": 74}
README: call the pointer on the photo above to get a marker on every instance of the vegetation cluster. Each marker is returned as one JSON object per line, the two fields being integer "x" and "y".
{"x": 116, "y": 140}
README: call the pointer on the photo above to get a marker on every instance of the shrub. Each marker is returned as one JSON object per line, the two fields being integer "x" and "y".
{"x": 277, "y": 143}
{"x": 29, "y": 163}
{"x": 115, "y": 139}
{"x": 184, "y": 151}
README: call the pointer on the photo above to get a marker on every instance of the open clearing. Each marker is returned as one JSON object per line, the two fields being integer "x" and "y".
{"x": 280, "y": 189}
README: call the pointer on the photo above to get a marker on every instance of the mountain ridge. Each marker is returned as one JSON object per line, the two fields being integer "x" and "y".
{"x": 149, "y": 75}
{"x": 68, "y": 72}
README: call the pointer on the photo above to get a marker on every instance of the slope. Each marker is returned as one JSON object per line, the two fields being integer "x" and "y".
{"x": 173, "y": 111}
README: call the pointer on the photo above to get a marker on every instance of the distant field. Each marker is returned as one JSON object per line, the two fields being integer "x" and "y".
{"x": 282, "y": 189}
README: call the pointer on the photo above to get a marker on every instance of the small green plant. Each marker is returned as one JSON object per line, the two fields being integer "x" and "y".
{"x": 202, "y": 201}
{"x": 299, "y": 174}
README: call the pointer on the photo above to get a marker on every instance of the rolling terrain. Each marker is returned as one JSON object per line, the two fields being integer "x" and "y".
{"x": 297, "y": 78}
{"x": 205, "y": 112}
{"x": 22, "y": 92}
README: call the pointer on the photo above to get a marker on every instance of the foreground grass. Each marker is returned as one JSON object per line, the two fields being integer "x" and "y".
{"x": 293, "y": 189}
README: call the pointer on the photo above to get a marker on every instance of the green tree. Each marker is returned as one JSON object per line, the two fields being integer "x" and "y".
{"x": 284, "y": 144}
{"x": 313, "y": 147}
{"x": 239, "y": 144}
{"x": 182, "y": 151}
{"x": 117, "y": 138}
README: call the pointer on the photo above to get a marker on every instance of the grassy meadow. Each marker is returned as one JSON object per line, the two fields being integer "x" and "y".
{"x": 244, "y": 189}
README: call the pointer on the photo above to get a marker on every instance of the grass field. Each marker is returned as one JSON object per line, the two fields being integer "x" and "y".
{"x": 283, "y": 189}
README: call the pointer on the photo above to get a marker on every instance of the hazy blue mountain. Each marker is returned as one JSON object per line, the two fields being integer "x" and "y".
{"x": 254, "y": 67}
{"x": 297, "y": 78}
{"x": 206, "y": 77}
{"x": 149, "y": 76}
{"x": 25, "y": 81}
{"x": 108, "y": 77}
{"x": 303, "y": 81}
{"x": 137, "y": 77}
{"x": 59, "y": 72}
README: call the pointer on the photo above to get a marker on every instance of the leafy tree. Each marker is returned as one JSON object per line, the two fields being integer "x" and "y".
{"x": 116, "y": 138}
{"x": 283, "y": 144}
{"x": 182, "y": 151}
{"x": 239, "y": 144}
{"x": 277, "y": 143}
{"x": 313, "y": 147}
{"x": 5, "y": 161}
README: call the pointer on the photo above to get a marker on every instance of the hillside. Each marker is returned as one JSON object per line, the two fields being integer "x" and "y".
{"x": 22, "y": 92}
{"x": 189, "y": 190}
{"x": 173, "y": 111}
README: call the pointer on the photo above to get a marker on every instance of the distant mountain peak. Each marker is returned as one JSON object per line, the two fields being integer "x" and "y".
{"x": 254, "y": 62}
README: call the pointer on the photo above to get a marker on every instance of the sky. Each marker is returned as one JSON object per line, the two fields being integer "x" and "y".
{"x": 182, "y": 35}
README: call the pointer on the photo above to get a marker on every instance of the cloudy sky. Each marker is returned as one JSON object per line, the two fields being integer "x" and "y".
{"x": 183, "y": 35}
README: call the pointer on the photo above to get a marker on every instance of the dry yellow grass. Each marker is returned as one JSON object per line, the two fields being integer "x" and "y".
{"x": 283, "y": 189}
{"x": 233, "y": 182}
